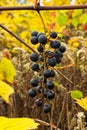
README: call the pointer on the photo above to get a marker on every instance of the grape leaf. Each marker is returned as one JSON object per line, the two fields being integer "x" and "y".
{"x": 17, "y": 123}
{"x": 82, "y": 102}
{"x": 5, "y": 91}
{"x": 76, "y": 94}
{"x": 7, "y": 70}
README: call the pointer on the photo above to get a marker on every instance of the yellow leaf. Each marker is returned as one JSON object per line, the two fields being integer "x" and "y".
{"x": 76, "y": 44}
{"x": 82, "y": 102}
{"x": 7, "y": 71}
{"x": 5, "y": 91}
{"x": 17, "y": 123}
{"x": 73, "y": 42}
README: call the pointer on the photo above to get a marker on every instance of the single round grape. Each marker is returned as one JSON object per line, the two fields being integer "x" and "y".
{"x": 39, "y": 102}
{"x": 49, "y": 84}
{"x": 40, "y": 48}
{"x": 35, "y": 67}
{"x": 34, "y": 33}
{"x": 53, "y": 35}
{"x": 51, "y": 62}
{"x": 46, "y": 108}
{"x": 55, "y": 44}
{"x": 34, "y": 57}
{"x": 32, "y": 92}
{"x": 47, "y": 73}
{"x": 34, "y": 82}
{"x": 62, "y": 49}
{"x": 42, "y": 39}
{"x": 50, "y": 94}
{"x": 58, "y": 54}
{"x": 34, "y": 40}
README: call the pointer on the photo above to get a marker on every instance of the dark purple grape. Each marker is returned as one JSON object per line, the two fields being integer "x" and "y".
{"x": 40, "y": 48}
{"x": 34, "y": 57}
{"x": 34, "y": 82}
{"x": 32, "y": 92}
{"x": 53, "y": 35}
{"x": 62, "y": 49}
{"x": 42, "y": 39}
{"x": 39, "y": 102}
{"x": 55, "y": 44}
{"x": 34, "y": 40}
{"x": 58, "y": 54}
{"x": 51, "y": 62}
{"x": 46, "y": 108}
{"x": 35, "y": 67}
{"x": 47, "y": 73}
{"x": 49, "y": 84}
{"x": 50, "y": 94}
{"x": 34, "y": 33}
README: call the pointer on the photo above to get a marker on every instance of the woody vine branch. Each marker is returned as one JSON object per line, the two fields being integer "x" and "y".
{"x": 42, "y": 8}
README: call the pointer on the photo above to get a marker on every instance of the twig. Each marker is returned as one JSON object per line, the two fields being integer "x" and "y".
{"x": 39, "y": 8}
{"x": 63, "y": 105}
{"x": 17, "y": 37}
{"x": 67, "y": 66}
{"x": 63, "y": 76}
{"x": 42, "y": 21}
{"x": 46, "y": 123}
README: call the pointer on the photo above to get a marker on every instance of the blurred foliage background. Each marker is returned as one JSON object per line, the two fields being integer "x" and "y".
{"x": 71, "y": 26}
{"x": 69, "y": 23}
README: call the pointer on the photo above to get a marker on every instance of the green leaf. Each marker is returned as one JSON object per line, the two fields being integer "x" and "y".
{"x": 77, "y": 13}
{"x": 76, "y": 94}
{"x": 62, "y": 19}
{"x": 83, "y": 18}
{"x": 75, "y": 21}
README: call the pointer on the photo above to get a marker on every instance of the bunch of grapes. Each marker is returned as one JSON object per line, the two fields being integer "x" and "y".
{"x": 42, "y": 87}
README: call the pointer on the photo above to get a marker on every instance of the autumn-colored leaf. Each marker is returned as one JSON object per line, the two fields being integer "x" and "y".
{"x": 7, "y": 70}
{"x": 5, "y": 91}
{"x": 82, "y": 102}
{"x": 17, "y": 123}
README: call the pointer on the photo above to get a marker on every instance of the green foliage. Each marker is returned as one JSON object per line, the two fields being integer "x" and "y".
{"x": 76, "y": 94}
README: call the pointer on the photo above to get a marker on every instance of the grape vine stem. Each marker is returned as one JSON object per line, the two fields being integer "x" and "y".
{"x": 69, "y": 65}
{"x": 40, "y": 8}
{"x": 63, "y": 75}
{"x": 17, "y": 37}
{"x": 46, "y": 123}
